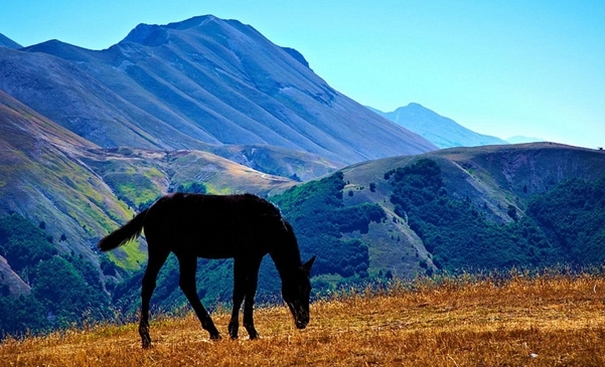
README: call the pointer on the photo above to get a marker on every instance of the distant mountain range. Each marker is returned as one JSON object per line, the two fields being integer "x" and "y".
{"x": 439, "y": 130}
{"x": 194, "y": 84}
{"x": 500, "y": 182}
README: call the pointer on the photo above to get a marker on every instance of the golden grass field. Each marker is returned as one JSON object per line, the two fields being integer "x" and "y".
{"x": 523, "y": 321}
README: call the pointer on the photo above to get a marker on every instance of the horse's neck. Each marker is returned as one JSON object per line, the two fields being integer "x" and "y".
{"x": 286, "y": 259}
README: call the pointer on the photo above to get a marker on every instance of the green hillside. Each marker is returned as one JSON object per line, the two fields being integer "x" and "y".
{"x": 485, "y": 196}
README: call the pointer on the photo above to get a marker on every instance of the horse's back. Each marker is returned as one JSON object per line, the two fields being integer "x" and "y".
{"x": 214, "y": 226}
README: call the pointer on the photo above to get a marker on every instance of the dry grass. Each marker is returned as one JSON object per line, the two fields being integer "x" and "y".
{"x": 543, "y": 321}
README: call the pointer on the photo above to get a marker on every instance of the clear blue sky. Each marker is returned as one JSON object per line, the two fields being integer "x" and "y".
{"x": 504, "y": 68}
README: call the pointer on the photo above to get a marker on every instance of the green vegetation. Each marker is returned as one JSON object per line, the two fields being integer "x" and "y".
{"x": 214, "y": 280}
{"x": 133, "y": 188}
{"x": 63, "y": 287}
{"x": 565, "y": 225}
{"x": 573, "y": 216}
{"x": 22, "y": 244}
{"x": 190, "y": 187}
{"x": 320, "y": 218}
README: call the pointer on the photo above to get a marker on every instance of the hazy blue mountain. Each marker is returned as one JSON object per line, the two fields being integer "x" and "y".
{"x": 204, "y": 81}
{"x": 439, "y": 130}
{"x": 8, "y": 43}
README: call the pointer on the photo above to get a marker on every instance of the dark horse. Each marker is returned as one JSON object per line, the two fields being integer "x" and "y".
{"x": 242, "y": 227}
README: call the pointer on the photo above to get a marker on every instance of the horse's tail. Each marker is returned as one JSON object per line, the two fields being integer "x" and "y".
{"x": 127, "y": 232}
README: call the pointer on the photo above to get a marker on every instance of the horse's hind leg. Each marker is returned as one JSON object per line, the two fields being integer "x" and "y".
{"x": 188, "y": 266}
{"x": 154, "y": 264}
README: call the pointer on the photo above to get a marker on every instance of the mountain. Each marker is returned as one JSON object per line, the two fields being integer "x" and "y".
{"x": 88, "y": 138}
{"x": 439, "y": 130}
{"x": 8, "y": 43}
{"x": 194, "y": 84}
{"x": 297, "y": 165}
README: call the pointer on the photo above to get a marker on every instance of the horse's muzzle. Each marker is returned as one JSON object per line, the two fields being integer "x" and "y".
{"x": 302, "y": 323}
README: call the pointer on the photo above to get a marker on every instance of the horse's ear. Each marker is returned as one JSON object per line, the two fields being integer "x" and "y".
{"x": 307, "y": 266}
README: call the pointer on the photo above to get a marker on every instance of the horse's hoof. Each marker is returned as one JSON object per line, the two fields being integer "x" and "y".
{"x": 233, "y": 330}
{"x": 216, "y": 337}
{"x": 146, "y": 341}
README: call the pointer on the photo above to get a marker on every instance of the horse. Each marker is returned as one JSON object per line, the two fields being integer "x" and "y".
{"x": 243, "y": 227}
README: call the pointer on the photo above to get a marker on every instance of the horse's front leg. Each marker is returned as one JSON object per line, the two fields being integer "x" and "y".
{"x": 248, "y": 313}
{"x": 248, "y": 318}
{"x": 238, "y": 298}
{"x": 245, "y": 283}
{"x": 249, "y": 302}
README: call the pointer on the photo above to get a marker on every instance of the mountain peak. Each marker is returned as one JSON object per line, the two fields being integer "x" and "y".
{"x": 147, "y": 34}
{"x": 415, "y": 106}
{"x": 155, "y": 35}
{"x": 193, "y": 22}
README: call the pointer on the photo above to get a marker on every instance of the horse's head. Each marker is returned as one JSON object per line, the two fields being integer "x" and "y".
{"x": 296, "y": 291}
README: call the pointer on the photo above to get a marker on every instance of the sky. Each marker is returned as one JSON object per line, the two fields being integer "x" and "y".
{"x": 534, "y": 68}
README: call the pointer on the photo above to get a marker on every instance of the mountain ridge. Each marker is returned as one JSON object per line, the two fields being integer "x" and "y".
{"x": 204, "y": 81}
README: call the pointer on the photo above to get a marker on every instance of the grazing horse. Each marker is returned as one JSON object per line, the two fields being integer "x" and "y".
{"x": 242, "y": 227}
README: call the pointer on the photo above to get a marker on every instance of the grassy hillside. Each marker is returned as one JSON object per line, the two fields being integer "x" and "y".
{"x": 42, "y": 178}
{"x": 518, "y": 320}
{"x": 485, "y": 184}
